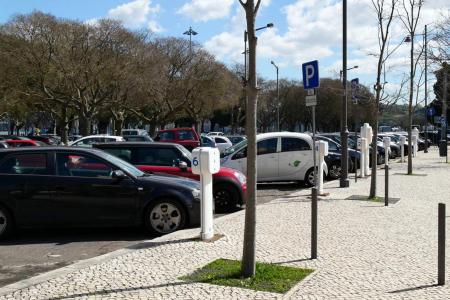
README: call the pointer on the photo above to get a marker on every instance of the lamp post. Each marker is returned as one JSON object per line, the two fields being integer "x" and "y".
{"x": 344, "y": 182}
{"x": 268, "y": 25}
{"x": 426, "y": 90}
{"x": 190, "y": 33}
{"x": 340, "y": 71}
{"x": 278, "y": 98}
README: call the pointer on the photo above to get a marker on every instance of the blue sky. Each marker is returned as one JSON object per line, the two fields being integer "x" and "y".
{"x": 304, "y": 30}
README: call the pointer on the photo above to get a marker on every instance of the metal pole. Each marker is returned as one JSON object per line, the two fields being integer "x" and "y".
{"x": 314, "y": 193}
{"x": 344, "y": 182}
{"x": 426, "y": 92}
{"x": 278, "y": 104}
{"x": 386, "y": 179}
{"x": 441, "y": 244}
{"x": 245, "y": 55}
{"x": 356, "y": 157}
{"x": 314, "y": 223}
{"x": 444, "y": 105}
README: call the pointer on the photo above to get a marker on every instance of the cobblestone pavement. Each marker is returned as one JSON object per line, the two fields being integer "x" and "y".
{"x": 366, "y": 250}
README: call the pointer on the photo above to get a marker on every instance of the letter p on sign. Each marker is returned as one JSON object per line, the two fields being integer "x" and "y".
{"x": 310, "y": 72}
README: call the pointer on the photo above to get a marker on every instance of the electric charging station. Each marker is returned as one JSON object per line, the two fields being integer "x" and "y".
{"x": 402, "y": 147}
{"x": 362, "y": 147}
{"x": 205, "y": 162}
{"x": 322, "y": 149}
{"x": 387, "y": 145}
{"x": 414, "y": 145}
{"x": 366, "y": 132}
{"x": 415, "y": 139}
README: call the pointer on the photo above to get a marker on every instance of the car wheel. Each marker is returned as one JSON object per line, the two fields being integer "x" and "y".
{"x": 6, "y": 223}
{"x": 164, "y": 216}
{"x": 225, "y": 198}
{"x": 335, "y": 170}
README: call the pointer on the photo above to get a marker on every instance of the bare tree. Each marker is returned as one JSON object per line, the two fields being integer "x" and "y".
{"x": 409, "y": 16}
{"x": 385, "y": 15}
{"x": 248, "y": 257}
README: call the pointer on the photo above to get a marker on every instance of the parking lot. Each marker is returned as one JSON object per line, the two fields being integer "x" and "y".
{"x": 32, "y": 252}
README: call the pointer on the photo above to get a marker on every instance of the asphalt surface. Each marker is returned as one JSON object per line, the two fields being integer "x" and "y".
{"x": 32, "y": 252}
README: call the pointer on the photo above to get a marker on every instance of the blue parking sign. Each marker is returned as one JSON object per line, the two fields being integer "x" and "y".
{"x": 310, "y": 72}
{"x": 431, "y": 111}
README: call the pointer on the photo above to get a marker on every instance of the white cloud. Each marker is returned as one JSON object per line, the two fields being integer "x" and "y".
{"x": 134, "y": 14}
{"x": 206, "y": 10}
{"x": 155, "y": 27}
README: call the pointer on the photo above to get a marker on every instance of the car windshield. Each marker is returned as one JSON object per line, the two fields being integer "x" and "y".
{"x": 129, "y": 168}
{"x": 185, "y": 152}
{"x": 233, "y": 149}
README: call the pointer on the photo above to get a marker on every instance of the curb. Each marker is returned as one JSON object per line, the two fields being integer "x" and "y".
{"x": 185, "y": 233}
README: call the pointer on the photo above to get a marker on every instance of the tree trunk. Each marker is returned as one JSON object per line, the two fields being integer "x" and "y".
{"x": 248, "y": 257}
{"x": 85, "y": 125}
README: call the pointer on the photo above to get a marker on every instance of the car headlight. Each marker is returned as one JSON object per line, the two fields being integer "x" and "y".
{"x": 241, "y": 177}
{"x": 196, "y": 194}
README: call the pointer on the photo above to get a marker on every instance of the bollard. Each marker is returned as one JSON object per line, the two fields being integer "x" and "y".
{"x": 205, "y": 162}
{"x": 313, "y": 223}
{"x": 362, "y": 144}
{"x": 387, "y": 144}
{"x": 441, "y": 244}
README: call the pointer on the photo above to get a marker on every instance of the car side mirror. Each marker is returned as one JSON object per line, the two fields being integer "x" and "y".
{"x": 119, "y": 174}
{"x": 183, "y": 165}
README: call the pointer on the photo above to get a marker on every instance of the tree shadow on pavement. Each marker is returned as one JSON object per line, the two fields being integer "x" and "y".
{"x": 414, "y": 288}
{"x": 112, "y": 291}
{"x": 64, "y": 236}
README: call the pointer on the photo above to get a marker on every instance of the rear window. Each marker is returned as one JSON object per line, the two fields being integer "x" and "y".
{"x": 124, "y": 154}
{"x": 165, "y": 136}
{"x": 157, "y": 156}
{"x": 32, "y": 164}
{"x": 186, "y": 135}
{"x": 220, "y": 140}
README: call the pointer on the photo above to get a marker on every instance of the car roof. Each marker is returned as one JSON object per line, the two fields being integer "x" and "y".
{"x": 283, "y": 134}
{"x": 101, "y": 135}
{"x": 175, "y": 129}
{"x": 51, "y": 148}
{"x": 136, "y": 144}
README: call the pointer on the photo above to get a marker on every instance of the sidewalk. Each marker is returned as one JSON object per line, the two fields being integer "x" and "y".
{"x": 366, "y": 250}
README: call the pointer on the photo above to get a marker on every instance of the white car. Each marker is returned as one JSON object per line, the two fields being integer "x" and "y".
{"x": 282, "y": 156}
{"x": 214, "y": 133}
{"x": 87, "y": 141}
{"x": 222, "y": 142}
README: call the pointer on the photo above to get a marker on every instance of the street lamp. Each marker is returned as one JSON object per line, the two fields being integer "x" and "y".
{"x": 340, "y": 71}
{"x": 278, "y": 99}
{"x": 190, "y": 33}
{"x": 268, "y": 25}
{"x": 344, "y": 182}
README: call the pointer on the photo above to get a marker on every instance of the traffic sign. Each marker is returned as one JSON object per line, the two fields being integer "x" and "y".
{"x": 310, "y": 72}
{"x": 311, "y": 100}
{"x": 431, "y": 111}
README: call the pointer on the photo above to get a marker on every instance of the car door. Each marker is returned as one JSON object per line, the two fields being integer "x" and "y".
{"x": 88, "y": 195}
{"x": 267, "y": 159}
{"x": 295, "y": 158}
{"x": 27, "y": 183}
{"x": 162, "y": 160}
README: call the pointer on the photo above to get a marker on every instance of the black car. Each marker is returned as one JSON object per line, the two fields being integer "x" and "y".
{"x": 78, "y": 187}
{"x": 228, "y": 184}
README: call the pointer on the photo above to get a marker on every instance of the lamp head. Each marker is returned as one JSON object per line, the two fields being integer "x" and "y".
{"x": 407, "y": 39}
{"x": 269, "y": 25}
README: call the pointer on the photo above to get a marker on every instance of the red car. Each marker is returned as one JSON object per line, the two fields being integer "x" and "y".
{"x": 229, "y": 185}
{"x": 186, "y": 136}
{"x": 24, "y": 143}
